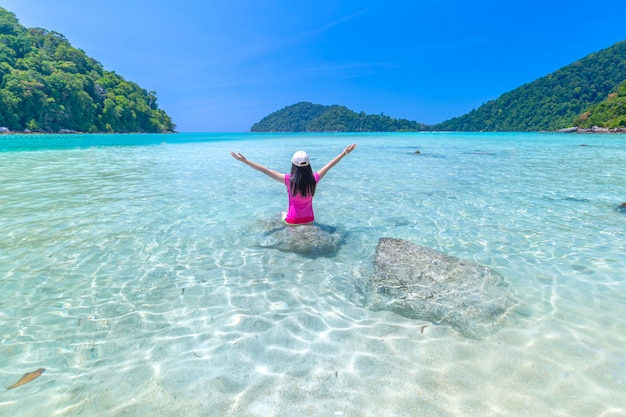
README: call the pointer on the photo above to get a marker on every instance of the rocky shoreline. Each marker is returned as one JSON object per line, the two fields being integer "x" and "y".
{"x": 595, "y": 129}
{"x": 5, "y": 130}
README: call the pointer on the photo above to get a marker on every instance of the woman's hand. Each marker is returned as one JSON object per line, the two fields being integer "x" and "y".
{"x": 349, "y": 148}
{"x": 238, "y": 156}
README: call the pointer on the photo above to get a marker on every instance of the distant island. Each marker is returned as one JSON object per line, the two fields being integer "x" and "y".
{"x": 588, "y": 95}
{"x": 309, "y": 117}
{"x": 46, "y": 85}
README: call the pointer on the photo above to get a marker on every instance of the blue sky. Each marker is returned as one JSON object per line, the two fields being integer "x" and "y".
{"x": 222, "y": 65}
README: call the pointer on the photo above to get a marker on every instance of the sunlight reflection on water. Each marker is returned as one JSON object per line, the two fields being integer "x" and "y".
{"x": 135, "y": 276}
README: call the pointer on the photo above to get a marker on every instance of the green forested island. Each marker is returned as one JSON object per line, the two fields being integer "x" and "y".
{"x": 589, "y": 92}
{"x": 609, "y": 113}
{"x": 555, "y": 101}
{"x": 309, "y": 117}
{"x": 46, "y": 85}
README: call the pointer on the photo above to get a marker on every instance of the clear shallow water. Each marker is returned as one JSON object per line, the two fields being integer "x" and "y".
{"x": 134, "y": 275}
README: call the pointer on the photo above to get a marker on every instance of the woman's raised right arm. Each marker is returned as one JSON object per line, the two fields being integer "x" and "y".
{"x": 269, "y": 172}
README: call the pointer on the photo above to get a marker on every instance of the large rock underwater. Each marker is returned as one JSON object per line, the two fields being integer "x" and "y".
{"x": 422, "y": 283}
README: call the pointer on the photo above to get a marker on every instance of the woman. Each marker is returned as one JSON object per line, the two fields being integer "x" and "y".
{"x": 301, "y": 183}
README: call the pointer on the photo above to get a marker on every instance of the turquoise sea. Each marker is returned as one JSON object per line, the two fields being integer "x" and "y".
{"x": 135, "y": 269}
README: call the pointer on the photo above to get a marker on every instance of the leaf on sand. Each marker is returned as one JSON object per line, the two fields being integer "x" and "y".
{"x": 26, "y": 378}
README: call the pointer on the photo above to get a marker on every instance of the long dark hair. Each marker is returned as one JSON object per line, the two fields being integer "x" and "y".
{"x": 302, "y": 181}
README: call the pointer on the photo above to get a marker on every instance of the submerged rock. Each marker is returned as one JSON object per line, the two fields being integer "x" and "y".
{"x": 309, "y": 239}
{"x": 422, "y": 283}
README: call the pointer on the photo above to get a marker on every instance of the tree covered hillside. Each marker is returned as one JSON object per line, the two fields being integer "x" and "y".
{"x": 309, "y": 117}
{"x": 610, "y": 113}
{"x": 48, "y": 85}
{"x": 551, "y": 102}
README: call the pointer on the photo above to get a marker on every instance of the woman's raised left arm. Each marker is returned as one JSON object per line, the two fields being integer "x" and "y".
{"x": 335, "y": 160}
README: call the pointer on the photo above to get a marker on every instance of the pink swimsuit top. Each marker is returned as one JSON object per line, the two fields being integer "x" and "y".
{"x": 300, "y": 208}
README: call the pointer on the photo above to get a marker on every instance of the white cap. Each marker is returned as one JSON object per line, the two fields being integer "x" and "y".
{"x": 300, "y": 159}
